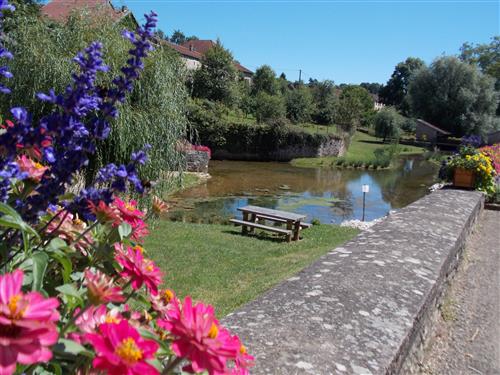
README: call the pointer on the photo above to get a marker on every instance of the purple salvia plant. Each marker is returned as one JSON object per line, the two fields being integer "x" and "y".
{"x": 66, "y": 138}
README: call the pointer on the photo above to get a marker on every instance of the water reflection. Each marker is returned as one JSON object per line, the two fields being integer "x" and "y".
{"x": 330, "y": 195}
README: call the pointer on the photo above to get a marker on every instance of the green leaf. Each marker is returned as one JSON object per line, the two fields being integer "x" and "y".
{"x": 65, "y": 262}
{"x": 40, "y": 261}
{"x": 11, "y": 219}
{"x": 66, "y": 346}
{"x": 70, "y": 290}
{"x": 124, "y": 230}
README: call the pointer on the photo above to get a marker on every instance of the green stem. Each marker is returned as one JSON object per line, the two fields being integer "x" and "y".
{"x": 171, "y": 366}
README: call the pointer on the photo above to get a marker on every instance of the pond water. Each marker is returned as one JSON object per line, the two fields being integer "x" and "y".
{"x": 329, "y": 195}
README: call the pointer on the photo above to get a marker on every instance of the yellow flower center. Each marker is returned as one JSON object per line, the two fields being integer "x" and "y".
{"x": 214, "y": 331}
{"x": 37, "y": 165}
{"x": 168, "y": 295}
{"x": 112, "y": 319}
{"x": 129, "y": 351}
{"x": 13, "y": 306}
{"x": 129, "y": 207}
{"x": 139, "y": 249}
{"x": 243, "y": 350}
{"x": 149, "y": 267}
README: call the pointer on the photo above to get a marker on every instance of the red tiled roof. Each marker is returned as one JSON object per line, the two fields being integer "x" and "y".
{"x": 201, "y": 46}
{"x": 185, "y": 51}
{"x": 425, "y": 123}
{"x": 60, "y": 10}
{"x": 242, "y": 69}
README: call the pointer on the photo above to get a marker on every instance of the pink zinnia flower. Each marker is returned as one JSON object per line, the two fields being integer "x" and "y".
{"x": 34, "y": 169}
{"x": 138, "y": 269}
{"x": 120, "y": 350}
{"x": 105, "y": 213}
{"x": 101, "y": 289}
{"x": 27, "y": 328}
{"x": 199, "y": 338}
{"x": 133, "y": 216}
{"x": 162, "y": 302}
{"x": 243, "y": 360}
{"x": 90, "y": 320}
{"x": 69, "y": 228}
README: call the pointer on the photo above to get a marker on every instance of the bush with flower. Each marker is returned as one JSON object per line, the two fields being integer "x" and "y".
{"x": 78, "y": 293}
{"x": 472, "y": 159}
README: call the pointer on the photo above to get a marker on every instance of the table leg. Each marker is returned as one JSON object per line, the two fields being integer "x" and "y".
{"x": 289, "y": 226}
{"x": 253, "y": 219}
{"x": 244, "y": 228}
{"x": 296, "y": 230}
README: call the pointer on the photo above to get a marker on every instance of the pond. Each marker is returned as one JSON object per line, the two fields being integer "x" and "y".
{"x": 328, "y": 195}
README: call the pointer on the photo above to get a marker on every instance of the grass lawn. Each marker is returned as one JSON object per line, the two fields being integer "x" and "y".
{"x": 218, "y": 265}
{"x": 361, "y": 149}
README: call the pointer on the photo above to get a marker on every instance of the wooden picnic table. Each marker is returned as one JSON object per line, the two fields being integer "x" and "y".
{"x": 252, "y": 214}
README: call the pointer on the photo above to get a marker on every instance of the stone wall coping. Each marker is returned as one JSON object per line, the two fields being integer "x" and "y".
{"x": 362, "y": 307}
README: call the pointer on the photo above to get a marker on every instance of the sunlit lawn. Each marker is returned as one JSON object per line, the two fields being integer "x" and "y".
{"x": 218, "y": 265}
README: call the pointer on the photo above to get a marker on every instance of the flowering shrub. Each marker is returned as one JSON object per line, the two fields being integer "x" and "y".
{"x": 493, "y": 152}
{"x": 475, "y": 160}
{"x": 78, "y": 293}
{"x": 202, "y": 148}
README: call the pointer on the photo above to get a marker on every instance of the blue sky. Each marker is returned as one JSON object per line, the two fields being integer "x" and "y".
{"x": 346, "y": 41}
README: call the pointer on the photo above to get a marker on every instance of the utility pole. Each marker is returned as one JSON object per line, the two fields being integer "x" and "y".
{"x": 300, "y": 76}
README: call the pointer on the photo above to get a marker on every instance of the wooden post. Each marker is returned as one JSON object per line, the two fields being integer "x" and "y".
{"x": 289, "y": 226}
{"x": 296, "y": 230}
{"x": 253, "y": 219}
{"x": 244, "y": 228}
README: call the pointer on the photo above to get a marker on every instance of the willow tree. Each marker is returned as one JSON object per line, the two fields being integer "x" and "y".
{"x": 153, "y": 113}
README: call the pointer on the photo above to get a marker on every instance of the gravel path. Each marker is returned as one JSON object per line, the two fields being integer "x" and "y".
{"x": 466, "y": 339}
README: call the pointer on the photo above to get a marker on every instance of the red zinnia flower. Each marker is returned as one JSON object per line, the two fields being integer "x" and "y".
{"x": 27, "y": 328}
{"x": 120, "y": 350}
{"x": 34, "y": 169}
{"x": 199, "y": 338}
{"x": 138, "y": 269}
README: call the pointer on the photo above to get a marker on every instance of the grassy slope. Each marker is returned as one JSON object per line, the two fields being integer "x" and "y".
{"x": 361, "y": 149}
{"x": 218, "y": 265}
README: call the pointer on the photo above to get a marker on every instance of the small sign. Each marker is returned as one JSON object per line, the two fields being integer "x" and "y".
{"x": 366, "y": 188}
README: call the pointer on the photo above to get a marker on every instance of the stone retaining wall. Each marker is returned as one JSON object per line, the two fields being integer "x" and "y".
{"x": 366, "y": 307}
{"x": 197, "y": 161}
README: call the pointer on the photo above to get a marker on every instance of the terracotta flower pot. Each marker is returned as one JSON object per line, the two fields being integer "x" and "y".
{"x": 463, "y": 178}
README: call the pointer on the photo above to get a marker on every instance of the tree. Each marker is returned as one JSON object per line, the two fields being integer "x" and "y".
{"x": 299, "y": 105}
{"x": 394, "y": 92}
{"x": 353, "y": 103}
{"x": 388, "y": 123}
{"x": 216, "y": 78}
{"x": 264, "y": 80}
{"x": 486, "y": 57}
{"x": 178, "y": 37}
{"x": 454, "y": 96}
{"x": 323, "y": 94}
{"x": 372, "y": 88}
{"x": 268, "y": 107}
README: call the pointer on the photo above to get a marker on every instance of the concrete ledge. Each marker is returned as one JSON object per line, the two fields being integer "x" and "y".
{"x": 366, "y": 307}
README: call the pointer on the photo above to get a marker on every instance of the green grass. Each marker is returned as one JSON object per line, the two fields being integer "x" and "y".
{"x": 187, "y": 181}
{"x": 361, "y": 152}
{"x": 218, "y": 265}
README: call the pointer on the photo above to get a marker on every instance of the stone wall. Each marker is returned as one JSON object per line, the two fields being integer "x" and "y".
{"x": 366, "y": 307}
{"x": 197, "y": 161}
{"x": 331, "y": 147}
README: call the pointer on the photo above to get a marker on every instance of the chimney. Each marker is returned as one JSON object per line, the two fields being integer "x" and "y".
{"x": 191, "y": 47}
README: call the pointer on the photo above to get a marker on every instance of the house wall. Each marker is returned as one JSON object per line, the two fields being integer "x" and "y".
{"x": 424, "y": 133}
{"x": 191, "y": 64}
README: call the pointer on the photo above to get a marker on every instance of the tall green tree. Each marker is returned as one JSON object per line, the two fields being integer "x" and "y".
{"x": 354, "y": 102}
{"x": 388, "y": 123}
{"x": 299, "y": 105}
{"x": 395, "y": 91}
{"x": 324, "y": 98}
{"x": 264, "y": 80}
{"x": 216, "y": 78}
{"x": 372, "y": 88}
{"x": 268, "y": 107}
{"x": 455, "y": 96}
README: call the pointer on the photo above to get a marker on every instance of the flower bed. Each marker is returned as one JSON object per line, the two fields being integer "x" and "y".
{"x": 78, "y": 292}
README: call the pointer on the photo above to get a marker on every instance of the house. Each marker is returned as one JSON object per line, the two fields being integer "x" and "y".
{"x": 428, "y": 132}
{"x": 60, "y": 10}
{"x": 193, "y": 51}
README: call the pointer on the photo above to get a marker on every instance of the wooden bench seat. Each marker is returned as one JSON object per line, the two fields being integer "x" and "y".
{"x": 302, "y": 224}
{"x": 249, "y": 224}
